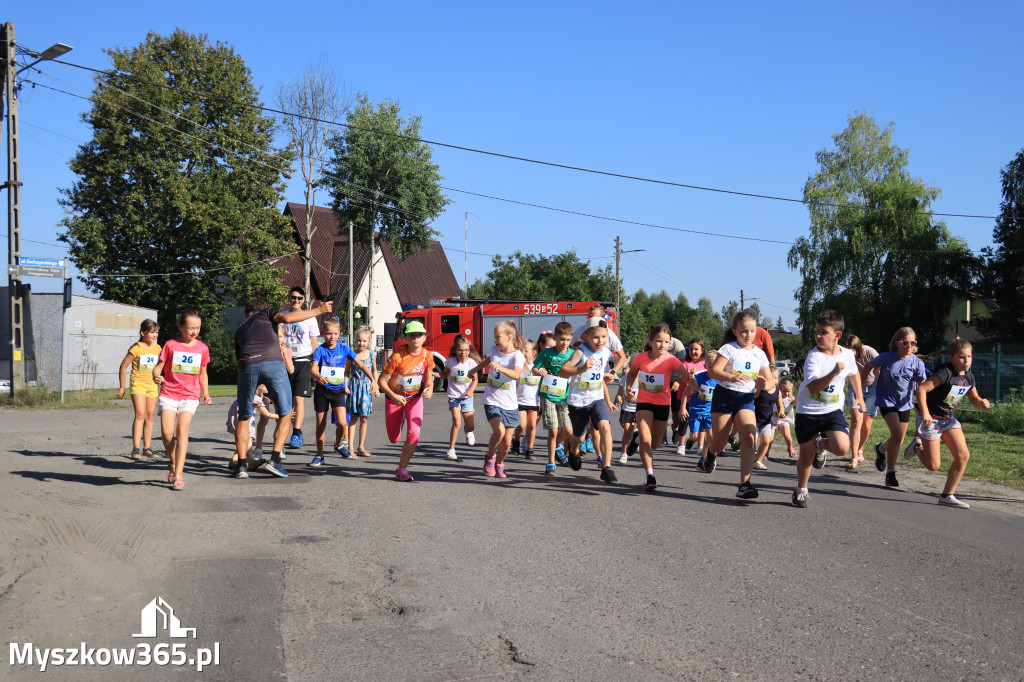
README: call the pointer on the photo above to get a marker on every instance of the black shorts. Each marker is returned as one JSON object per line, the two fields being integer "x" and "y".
{"x": 660, "y": 412}
{"x": 325, "y": 399}
{"x": 529, "y": 408}
{"x": 594, "y": 413}
{"x": 301, "y": 383}
{"x": 810, "y": 426}
{"x": 627, "y": 417}
{"x": 904, "y": 414}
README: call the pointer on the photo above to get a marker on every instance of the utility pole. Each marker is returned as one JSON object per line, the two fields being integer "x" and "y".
{"x": 618, "y": 285}
{"x": 351, "y": 294}
{"x": 465, "y": 257}
{"x": 13, "y": 186}
{"x": 742, "y": 306}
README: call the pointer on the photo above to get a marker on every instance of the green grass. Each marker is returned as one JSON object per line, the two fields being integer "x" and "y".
{"x": 41, "y": 399}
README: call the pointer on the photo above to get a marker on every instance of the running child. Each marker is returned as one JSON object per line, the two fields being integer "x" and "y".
{"x": 142, "y": 356}
{"x": 462, "y": 382}
{"x": 181, "y": 372}
{"x": 860, "y": 424}
{"x": 625, "y": 400}
{"x": 363, "y": 389}
{"x": 504, "y": 366}
{"x": 330, "y": 362}
{"x": 528, "y": 397}
{"x": 694, "y": 360}
{"x": 553, "y": 391}
{"x": 784, "y": 419}
{"x": 740, "y": 368}
{"x": 407, "y": 380}
{"x": 652, "y": 371}
{"x": 699, "y": 421}
{"x": 899, "y": 369}
{"x": 589, "y": 370}
{"x": 937, "y": 400}
{"x": 766, "y": 409}
{"x": 819, "y": 402}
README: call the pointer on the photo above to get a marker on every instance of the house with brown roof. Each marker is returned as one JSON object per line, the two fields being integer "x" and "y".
{"x": 396, "y": 283}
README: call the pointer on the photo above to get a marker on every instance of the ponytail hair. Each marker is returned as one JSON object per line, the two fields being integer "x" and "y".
{"x": 510, "y": 328}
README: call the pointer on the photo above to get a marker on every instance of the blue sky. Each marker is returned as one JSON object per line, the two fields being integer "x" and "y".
{"x": 737, "y": 98}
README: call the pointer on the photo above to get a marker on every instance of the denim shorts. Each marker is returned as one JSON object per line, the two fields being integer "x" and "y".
{"x": 727, "y": 401}
{"x": 465, "y": 405}
{"x": 274, "y": 375}
{"x": 509, "y": 418}
{"x": 869, "y": 399}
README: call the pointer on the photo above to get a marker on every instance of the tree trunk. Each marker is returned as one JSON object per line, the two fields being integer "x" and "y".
{"x": 307, "y": 258}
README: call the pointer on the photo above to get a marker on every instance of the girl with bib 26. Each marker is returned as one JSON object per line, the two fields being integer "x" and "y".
{"x": 740, "y": 368}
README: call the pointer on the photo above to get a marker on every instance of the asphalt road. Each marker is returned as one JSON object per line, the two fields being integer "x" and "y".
{"x": 344, "y": 573}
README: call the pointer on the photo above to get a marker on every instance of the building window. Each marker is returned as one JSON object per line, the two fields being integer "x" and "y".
{"x": 449, "y": 324}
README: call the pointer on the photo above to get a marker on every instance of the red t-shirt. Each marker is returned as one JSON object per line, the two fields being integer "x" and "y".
{"x": 655, "y": 378}
{"x": 182, "y": 365}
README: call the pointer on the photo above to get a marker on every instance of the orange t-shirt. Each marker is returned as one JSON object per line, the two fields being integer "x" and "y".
{"x": 655, "y": 378}
{"x": 408, "y": 372}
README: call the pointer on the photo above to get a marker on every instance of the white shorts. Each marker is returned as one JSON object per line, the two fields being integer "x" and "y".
{"x": 177, "y": 406}
{"x": 766, "y": 430}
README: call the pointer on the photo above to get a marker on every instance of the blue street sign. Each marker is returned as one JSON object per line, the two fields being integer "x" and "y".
{"x": 42, "y": 262}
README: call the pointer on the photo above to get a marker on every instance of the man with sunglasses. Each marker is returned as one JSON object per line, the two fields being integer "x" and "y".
{"x": 302, "y": 339}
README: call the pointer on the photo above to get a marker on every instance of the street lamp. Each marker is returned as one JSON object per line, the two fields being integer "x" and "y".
{"x": 52, "y": 52}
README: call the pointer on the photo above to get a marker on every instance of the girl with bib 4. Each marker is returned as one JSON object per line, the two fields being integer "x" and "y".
{"x": 504, "y": 367}
{"x": 653, "y": 370}
{"x": 407, "y": 380}
{"x": 739, "y": 368}
{"x": 143, "y": 357}
{"x": 181, "y": 372}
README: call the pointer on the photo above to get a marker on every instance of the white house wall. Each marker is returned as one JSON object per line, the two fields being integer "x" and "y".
{"x": 385, "y": 301}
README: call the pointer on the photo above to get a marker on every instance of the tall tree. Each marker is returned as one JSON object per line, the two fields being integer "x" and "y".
{"x": 874, "y": 252}
{"x": 561, "y": 277}
{"x": 1007, "y": 260}
{"x": 179, "y": 177}
{"x": 383, "y": 179}
{"x": 311, "y": 101}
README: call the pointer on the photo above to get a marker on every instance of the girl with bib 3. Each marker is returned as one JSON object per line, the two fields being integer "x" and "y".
{"x": 182, "y": 373}
{"x": 739, "y": 368}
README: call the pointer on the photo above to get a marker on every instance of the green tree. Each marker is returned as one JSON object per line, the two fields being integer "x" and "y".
{"x": 873, "y": 252}
{"x": 728, "y": 312}
{"x": 382, "y": 178}
{"x": 561, "y": 277}
{"x": 179, "y": 177}
{"x": 790, "y": 347}
{"x": 701, "y": 323}
{"x": 779, "y": 324}
{"x": 1006, "y": 262}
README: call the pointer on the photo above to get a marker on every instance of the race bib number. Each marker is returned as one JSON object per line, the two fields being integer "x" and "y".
{"x": 410, "y": 384}
{"x": 652, "y": 383}
{"x": 498, "y": 381}
{"x": 148, "y": 361}
{"x": 956, "y": 394}
{"x": 745, "y": 368}
{"x": 706, "y": 393}
{"x": 186, "y": 363}
{"x": 532, "y": 380}
{"x": 295, "y": 348}
{"x": 829, "y": 394}
{"x": 460, "y": 376}
{"x": 335, "y": 376}
{"x": 591, "y": 381}
{"x": 553, "y": 386}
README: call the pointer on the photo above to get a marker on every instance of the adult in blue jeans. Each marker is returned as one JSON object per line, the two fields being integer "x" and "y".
{"x": 258, "y": 350}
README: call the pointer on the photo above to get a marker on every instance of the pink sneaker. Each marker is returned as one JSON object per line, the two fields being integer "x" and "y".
{"x": 489, "y": 467}
{"x": 501, "y": 471}
{"x": 403, "y": 474}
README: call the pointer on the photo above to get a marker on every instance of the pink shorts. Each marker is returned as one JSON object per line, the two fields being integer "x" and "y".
{"x": 411, "y": 413}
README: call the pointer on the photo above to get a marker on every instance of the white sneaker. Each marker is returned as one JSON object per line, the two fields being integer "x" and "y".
{"x": 624, "y": 459}
{"x": 951, "y": 501}
{"x": 911, "y": 451}
{"x": 470, "y": 439}
{"x": 681, "y": 450}
{"x": 452, "y": 456}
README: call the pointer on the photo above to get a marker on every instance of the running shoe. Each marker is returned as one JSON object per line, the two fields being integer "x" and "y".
{"x": 470, "y": 439}
{"x": 702, "y": 465}
{"x": 890, "y": 479}
{"x": 450, "y": 455}
{"x": 296, "y": 441}
{"x": 560, "y": 456}
{"x": 241, "y": 473}
{"x": 634, "y": 443}
{"x": 746, "y": 491}
{"x": 281, "y": 456}
{"x": 760, "y": 466}
{"x": 710, "y": 462}
{"x": 588, "y": 445}
{"x": 515, "y": 447}
{"x": 734, "y": 443}
{"x": 689, "y": 443}
{"x": 550, "y": 468}
{"x": 275, "y": 457}
{"x": 528, "y": 454}
{"x": 402, "y": 474}
{"x": 681, "y": 450}
{"x": 273, "y": 469}
{"x": 800, "y": 498}
{"x": 499, "y": 469}
{"x": 951, "y": 501}
{"x": 489, "y": 467}
{"x": 233, "y": 465}
{"x": 911, "y": 451}
{"x": 344, "y": 451}
{"x": 652, "y": 483}
{"x": 624, "y": 459}
{"x": 879, "y": 457}
{"x": 318, "y": 460}
{"x": 575, "y": 461}
{"x": 608, "y": 475}
{"x": 820, "y": 457}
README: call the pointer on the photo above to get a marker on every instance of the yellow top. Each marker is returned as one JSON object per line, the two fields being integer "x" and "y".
{"x": 145, "y": 360}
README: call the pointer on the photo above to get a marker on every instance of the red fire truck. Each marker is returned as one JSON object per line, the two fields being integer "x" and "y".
{"x": 446, "y": 318}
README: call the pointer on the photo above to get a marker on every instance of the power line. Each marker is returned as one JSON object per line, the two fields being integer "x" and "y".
{"x": 523, "y": 159}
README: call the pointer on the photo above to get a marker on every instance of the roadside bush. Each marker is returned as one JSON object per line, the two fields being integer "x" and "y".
{"x": 1006, "y": 416}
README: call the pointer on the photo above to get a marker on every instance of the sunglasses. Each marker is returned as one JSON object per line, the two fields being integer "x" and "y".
{"x": 908, "y": 343}
{"x": 296, "y": 298}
